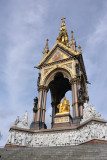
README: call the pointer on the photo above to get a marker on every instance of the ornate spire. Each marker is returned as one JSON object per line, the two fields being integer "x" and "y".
{"x": 63, "y": 35}
{"x": 72, "y": 42}
{"x": 46, "y": 49}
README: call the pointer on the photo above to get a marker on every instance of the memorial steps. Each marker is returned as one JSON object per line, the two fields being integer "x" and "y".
{"x": 82, "y": 152}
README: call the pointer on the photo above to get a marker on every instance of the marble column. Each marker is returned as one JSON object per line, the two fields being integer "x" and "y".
{"x": 81, "y": 110}
{"x": 53, "y": 112}
{"x": 76, "y": 100}
{"x": 39, "y": 105}
{"x": 73, "y": 100}
{"x": 44, "y": 106}
{"x": 75, "y": 108}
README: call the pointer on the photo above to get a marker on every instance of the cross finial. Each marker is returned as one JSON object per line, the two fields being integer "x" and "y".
{"x": 63, "y": 19}
{"x": 80, "y": 50}
{"x": 79, "y": 47}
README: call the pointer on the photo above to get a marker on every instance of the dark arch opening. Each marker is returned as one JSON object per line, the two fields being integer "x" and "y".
{"x": 58, "y": 87}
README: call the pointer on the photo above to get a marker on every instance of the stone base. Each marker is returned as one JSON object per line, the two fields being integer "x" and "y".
{"x": 83, "y": 133}
{"x": 83, "y": 152}
{"x": 95, "y": 141}
{"x": 62, "y": 120}
{"x": 38, "y": 126}
{"x": 76, "y": 120}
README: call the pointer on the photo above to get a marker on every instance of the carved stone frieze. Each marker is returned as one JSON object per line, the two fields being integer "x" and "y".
{"x": 23, "y": 123}
{"x": 93, "y": 130}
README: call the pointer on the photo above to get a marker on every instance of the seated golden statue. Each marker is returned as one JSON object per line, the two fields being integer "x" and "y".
{"x": 64, "y": 106}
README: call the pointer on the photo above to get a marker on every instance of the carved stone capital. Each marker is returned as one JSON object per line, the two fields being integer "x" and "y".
{"x": 75, "y": 80}
{"x": 43, "y": 88}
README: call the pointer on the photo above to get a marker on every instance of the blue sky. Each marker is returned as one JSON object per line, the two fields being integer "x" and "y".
{"x": 24, "y": 27}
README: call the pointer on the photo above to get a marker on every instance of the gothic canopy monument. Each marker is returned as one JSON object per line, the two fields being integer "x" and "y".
{"x": 61, "y": 69}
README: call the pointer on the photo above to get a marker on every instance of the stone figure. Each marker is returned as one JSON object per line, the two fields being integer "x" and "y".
{"x": 32, "y": 141}
{"x": 16, "y": 121}
{"x": 19, "y": 138}
{"x": 39, "y": 77}
{"x": 35, "y": 104}
{"x": 13, "y": 137}
{"x": 25, "y": 119}
{"x": 80, "y": 94}
{"x": 77, "y": 69}
{"x": 16, "y": 138}
{"x": 24, "y": 139}
{"x": 23, "y": 123}
{"x": 29, "y": 139}
{"x": 9, "y": 137}
{"x": 90, "y": 112}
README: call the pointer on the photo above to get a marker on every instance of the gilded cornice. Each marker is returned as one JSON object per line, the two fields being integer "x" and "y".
{"x": 58, "y": 62}
{"x": 69, "y": 49}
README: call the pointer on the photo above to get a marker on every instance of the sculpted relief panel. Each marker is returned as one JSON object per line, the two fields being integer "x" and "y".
{"x": 89, "y": 132}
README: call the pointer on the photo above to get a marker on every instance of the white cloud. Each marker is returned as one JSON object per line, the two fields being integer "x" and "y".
{"x": 23, "y": 30}
{"x": 95, "y": 61}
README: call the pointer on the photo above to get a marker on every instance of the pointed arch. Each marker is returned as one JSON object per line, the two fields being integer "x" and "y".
{"x": 51, "y": 74}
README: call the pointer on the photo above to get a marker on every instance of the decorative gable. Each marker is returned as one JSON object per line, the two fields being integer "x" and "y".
{"x": 58, "y": 52}
{"x": 57, "y": 56}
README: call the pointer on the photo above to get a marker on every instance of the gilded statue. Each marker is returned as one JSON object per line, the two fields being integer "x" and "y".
{"x": 64, "y": 106}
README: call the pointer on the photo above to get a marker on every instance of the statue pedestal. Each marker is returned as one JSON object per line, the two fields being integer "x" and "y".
{"x": 62, "y": 120}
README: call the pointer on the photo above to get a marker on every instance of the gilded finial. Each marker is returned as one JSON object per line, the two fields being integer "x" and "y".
{"x": 63, "y": 35}
{"x": 64, "y": 98}
{"x": 63, "y": 18}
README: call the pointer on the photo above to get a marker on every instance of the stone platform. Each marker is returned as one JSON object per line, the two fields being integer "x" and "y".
{"x": 62, "y": 120}
{"x": 83, "y": 152}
